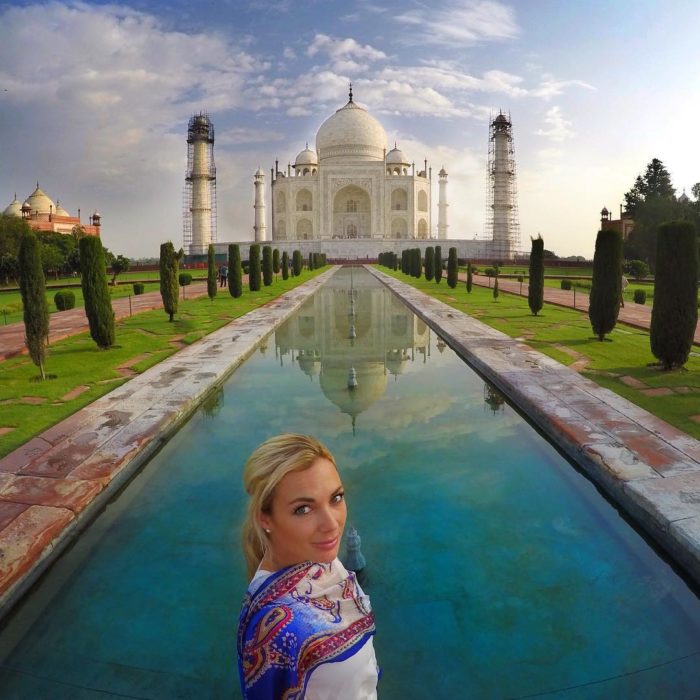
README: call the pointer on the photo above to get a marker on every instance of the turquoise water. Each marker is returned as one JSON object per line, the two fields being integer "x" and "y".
{"x": 495, "y": 569}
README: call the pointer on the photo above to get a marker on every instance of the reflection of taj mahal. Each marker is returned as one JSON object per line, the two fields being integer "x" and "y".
{"x": 350, "y": 187}
{"x": 355, "y": 332}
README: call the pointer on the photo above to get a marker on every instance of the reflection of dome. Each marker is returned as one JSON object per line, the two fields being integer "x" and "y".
{"x": 396, "y": 157}
{"x": 14, "y": 208}
{"x": 352, "y": 132}
{"x": 40, "y": 202}
{"x": 306, "y": 157}
{"x": 396, "y": 361}
{"x": 371, "y": 385}
{"x": 309, "y": 362}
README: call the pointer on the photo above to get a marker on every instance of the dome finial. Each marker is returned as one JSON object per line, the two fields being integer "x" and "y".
{"x": 350, "y": 92}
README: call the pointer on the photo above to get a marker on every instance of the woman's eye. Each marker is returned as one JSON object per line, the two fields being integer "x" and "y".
{"x": 302, "y": 510}
{"x": 338, "y": 497}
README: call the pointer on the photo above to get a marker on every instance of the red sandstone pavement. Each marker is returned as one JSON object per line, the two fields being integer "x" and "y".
{"x": 636, "y": 315}
{"x": 64, "y": 324}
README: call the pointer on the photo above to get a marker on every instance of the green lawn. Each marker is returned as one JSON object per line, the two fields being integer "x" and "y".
{"x": 565, "y": 335}
{"x": 30, "y": 406}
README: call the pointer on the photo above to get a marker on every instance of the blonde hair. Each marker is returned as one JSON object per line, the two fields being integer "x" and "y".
{"x": 265, "y": 468}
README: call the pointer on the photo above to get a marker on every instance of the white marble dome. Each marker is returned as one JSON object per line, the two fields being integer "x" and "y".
{"x": 352, "y": 133}
{"x": 396, "y": 157}
{"x": 40, "y": 202}
{"x": 14, "y": 208}
{"x": 306, "y": 157}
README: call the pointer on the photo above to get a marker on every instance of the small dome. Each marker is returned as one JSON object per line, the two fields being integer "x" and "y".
{"x": 604, "y": 211}
{"x": 60, "y": 211}
{"x": 396, "y": 157}
{"x": 501, "y": 119}
{"x": 26, "y": 206}
{"x": 443, "y": 172}
{"x": 684, "y": 198}
{"x": 259, "y": 172}
{"x": 14, "y": 208}
{"x": 306, "y": 157}
{"x": 352, "y": 132}
{"x": 40, "y": 202}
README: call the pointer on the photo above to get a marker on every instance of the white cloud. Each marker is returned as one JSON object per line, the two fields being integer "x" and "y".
{"x": 244, "y": 135}
{"x": 345, "y": 55}
{"x": 461, "y": 22}
{"x": 558, "y": 129}
{"x": 551, "y": 87}
{"x": 289, "y": 53}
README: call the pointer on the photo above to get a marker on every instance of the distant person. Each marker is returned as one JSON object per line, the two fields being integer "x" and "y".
{"x": 624, "y": 284}
{"x": 223, "y": 276}
{"x": 306, "y": 627}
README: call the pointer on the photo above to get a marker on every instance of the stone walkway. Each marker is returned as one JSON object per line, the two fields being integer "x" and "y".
{"x": 52, "y": 486}
{"x": 635, "y": 315}
{"x": 63, "y": 324}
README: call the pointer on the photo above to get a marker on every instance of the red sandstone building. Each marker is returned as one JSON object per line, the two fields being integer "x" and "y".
{"x": 42, "y": 214}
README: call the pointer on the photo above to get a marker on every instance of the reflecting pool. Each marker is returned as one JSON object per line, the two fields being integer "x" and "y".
{"x": 495, "y": 569}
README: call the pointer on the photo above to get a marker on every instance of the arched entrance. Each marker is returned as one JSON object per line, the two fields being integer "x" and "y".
{"x": 352, "y": 213}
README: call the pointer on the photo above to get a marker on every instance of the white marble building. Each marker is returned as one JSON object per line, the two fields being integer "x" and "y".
{"x": 350, "y": 187}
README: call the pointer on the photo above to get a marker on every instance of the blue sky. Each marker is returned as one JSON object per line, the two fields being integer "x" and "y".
{"x": 95, "y": 98}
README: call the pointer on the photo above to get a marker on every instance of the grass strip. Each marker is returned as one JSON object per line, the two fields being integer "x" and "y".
{"x": 622, "y": 365}
{"x": 83, "y": 373}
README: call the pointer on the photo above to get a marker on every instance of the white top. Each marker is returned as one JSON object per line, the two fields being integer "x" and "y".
{"x": 351, "y": 679}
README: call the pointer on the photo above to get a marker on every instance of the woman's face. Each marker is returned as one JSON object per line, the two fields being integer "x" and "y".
{"x": 307, "y": 517}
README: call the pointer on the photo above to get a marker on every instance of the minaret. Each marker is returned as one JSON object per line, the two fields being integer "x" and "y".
{"x": 259, "y": 226}
{"x": 505, "y": 232}
{"x": 200, "y": 186}
{"x": 442, "y": 205}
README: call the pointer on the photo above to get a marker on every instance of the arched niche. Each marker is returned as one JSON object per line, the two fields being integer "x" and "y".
{"x": 351, "y": 213}
{"x": 304, "y": 200}
{"x": 280, "y": 201}
{"x": 399, "y": 228}
{"x": 399, "y": 199}
{"x": 281, "y": 229}
{"x": 422, "y": 228}
{"x": 304, "y": 229}
{"x": 422, "y": 201}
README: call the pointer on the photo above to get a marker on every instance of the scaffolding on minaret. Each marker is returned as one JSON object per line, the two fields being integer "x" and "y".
{"x": 199, "y": 214}
{"x": 502, "y": 228}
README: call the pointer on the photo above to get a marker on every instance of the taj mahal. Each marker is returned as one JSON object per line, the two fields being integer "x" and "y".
{"x": 349, "y": 197}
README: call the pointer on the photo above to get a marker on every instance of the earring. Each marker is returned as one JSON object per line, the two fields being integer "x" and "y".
{"x": 266, "y": 530}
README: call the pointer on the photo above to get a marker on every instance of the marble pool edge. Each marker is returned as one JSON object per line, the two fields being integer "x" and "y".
{"x": 53, "y": 486}
{"x": 648, "y": 468}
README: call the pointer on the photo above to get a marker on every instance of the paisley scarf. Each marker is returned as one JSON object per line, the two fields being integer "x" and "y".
{"x": 297, "y": 619}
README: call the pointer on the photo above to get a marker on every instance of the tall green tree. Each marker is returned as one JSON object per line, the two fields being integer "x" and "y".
{"x": 212, "y": 276}
{"x": 169, "y": 266}
{"x": 276, "y": 261}
{"x": 674, "y": 315}
{"x": 469, "y": 278}
{"x": 606, "y": 286}
{"x": 98, "y": 303}
{"x": 296, "y": 263}
{"x": 535, "y": 290}
{"x": 429, "y": 263}
{"x": 285, "y": 265}
{"x": 119, "y": 264}
{"x": 254, "y": 268}
{"x": 438, "y": 263}
{"x": 452, "y": 268}
{"x": 235, "y": 271}
{"x": 32, "y": 287}
{"x": 267, "y": 265}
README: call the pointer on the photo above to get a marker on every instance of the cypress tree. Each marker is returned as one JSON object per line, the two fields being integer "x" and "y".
{"x": 285, "y": 265}
{"x": 267, "y": 265}
{"x": 276, "y": 261}
{"x": 606, "y": 285}
{"x": 674, "y": 315}
{"x": 32, "y": 287}
{"x": 235, "y": 271}
{"x": 438, "y": 263}
{"x": 211, "y": 273}
{"x": 417, "y": 263}
{"x": 93, "y": 280}
{"x": 296, "y": 263}
{"x": 429, "y": 263}
{"x": 310, "y": 264}
{"x": 452, "y": 268}
{"x": 254, "y": 268}
{"x": 495, "y": 287}
{"x": 469, "y": 278}
{"x": 169, "y": 264}
{"x": 535, "y": 291}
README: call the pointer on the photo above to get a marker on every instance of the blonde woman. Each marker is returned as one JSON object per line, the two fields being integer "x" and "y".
{"x": 306, "y": 627}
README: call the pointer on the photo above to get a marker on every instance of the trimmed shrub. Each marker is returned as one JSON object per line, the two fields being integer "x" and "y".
{"x": 267, "y": 265}
{"x": 438, "y": 264}
{"x": 565, "y": 284}
{"x": 64, "y": 300}
{"x": 93, "y": 280}
{"x": 169, "y": 264}
{"x": 285, "y": 265}
{"x": 254, "y": 271}
{"x": 640, "y": 296}
{"x": 212, "y": 276}
{"x": 276, "y": 261}
{"x": 469, "y": 278}
{"x": 429, "y": 263}
{"x": 235, "y": 271}
{"x": 184, "y": 279}
{"x": 452, "y": 268}
{"x": 495, "y": 288}
{"x": 606, "y": 285}
{"x": 636, "y": 268}
{"x": 296, "y": 263}
{"x": 674, "y": 315}
{"x": 535, "y": 290}
{"x": 138, "y": 288}
{"x": 32, "y": 287}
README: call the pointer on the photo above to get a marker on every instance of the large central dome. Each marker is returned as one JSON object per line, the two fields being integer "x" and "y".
{"x": 352, "y": 133}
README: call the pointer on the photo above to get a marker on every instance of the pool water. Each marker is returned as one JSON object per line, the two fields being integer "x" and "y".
{"x": 495, "y": 569}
